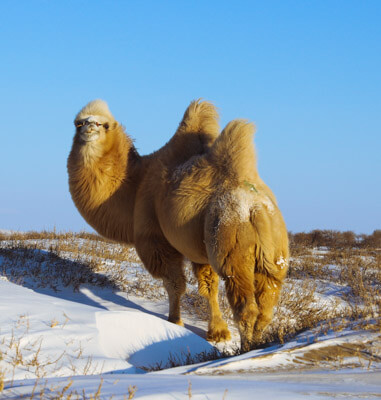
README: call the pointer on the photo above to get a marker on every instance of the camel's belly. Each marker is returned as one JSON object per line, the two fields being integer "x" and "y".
{"x": 182, "y": 219}
{"x": 188, "y": 240}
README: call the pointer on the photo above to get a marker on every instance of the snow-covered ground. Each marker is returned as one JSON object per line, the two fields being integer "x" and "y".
{"x": 89, "y": 341}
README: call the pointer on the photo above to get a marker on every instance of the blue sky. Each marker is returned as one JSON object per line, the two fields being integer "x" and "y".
{"x": 308, "y": 73}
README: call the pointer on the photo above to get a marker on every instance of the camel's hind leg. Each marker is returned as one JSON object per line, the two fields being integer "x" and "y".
{"x": 240, "y": 293}
{"x": 208, "y": 287}
{"x": 231, "y": 253}
{"x": 237, "y": 269}
{"x": 267, "y": 289}
{"x": 163, "y": 261}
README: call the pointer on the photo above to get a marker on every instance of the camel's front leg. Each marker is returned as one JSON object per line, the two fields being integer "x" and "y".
{"x": 208, "y": 287}
{"x": 164, "y": 262}
{"x": 175, "y": 286}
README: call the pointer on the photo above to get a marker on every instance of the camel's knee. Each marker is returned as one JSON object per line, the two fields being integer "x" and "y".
{"x": 175, "y": 283}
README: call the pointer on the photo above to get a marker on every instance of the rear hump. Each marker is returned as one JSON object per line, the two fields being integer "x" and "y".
{"x": 233, "y": 151}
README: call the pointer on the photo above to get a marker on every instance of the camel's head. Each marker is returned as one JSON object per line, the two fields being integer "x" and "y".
{"x": 94, "y": 123}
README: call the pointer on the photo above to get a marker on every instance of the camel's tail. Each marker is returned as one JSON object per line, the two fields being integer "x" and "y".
{"x": 233, "y": 151}
{"x": 200, "y": 117}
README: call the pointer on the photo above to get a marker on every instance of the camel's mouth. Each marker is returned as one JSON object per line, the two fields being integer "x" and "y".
{"x": 89, "y": 136}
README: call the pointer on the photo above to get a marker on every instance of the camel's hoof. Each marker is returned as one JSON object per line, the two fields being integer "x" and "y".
{"x": 218, "y": 333}
{"x": 176, "y": 321}
{"x": 253, "y": 344}
{"x": 245, "y": 348}
{"x": 257, "y": 338}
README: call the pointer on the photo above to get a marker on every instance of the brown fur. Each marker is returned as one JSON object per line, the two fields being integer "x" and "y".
{"x": 199, "y": 196}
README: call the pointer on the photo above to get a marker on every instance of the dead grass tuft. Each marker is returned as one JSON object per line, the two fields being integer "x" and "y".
{"x": 334, "y": 279}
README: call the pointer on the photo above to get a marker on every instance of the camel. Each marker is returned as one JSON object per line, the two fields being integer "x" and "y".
{"x": 198, "y": 197}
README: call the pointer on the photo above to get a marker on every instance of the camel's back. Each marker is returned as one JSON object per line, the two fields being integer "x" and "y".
{"x": 219, "y": 188}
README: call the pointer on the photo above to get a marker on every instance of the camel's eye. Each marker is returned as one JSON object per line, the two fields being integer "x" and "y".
{"x": 78, "y": 124}
{"x": 105, "y": 126}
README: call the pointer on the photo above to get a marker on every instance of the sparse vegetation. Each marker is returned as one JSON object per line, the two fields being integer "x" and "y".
{"x": 334, "y": 281}
{"x": 188, "y": 359}
{"x": 18, "y": 351}
{"x": 335, "y": 240}
{"x": 349, "y": 264}
{"x": 343, "y": 273}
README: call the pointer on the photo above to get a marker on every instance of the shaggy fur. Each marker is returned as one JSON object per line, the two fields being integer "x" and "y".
{"x": 198, "y": 197}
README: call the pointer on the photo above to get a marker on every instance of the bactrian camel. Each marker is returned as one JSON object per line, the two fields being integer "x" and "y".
{"x": 199, "y": 197}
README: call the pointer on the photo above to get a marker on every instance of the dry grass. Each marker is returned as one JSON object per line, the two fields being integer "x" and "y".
{"x": 19, "y": 351}
{"x": 330, "y": 287}
{"x": 176, "y": 360}
{"x": 42, "y": 390}
{"x": 340, "y": 287}
{"x": 71, "y": 260}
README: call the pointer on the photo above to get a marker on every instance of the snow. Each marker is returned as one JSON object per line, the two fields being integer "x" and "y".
{"x": 143, "y": 339}
{"x": 284, "y": 357}
{"x": 99, "y": 342}
{"x": 282, "y": 262}
{"x": 115, "y": 340}
{"x": 263, "y": 387}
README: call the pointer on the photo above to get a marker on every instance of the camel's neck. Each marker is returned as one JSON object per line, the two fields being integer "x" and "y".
{"x": 103, "y": 186}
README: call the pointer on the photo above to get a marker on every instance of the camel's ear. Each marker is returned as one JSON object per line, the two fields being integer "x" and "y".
{"x": 110, "y": 126}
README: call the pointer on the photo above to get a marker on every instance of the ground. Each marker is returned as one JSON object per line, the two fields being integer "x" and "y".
{"x": 81, "y": 318}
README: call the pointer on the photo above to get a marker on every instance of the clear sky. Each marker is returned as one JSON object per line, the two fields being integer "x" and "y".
{"x": 308, "y": 73}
